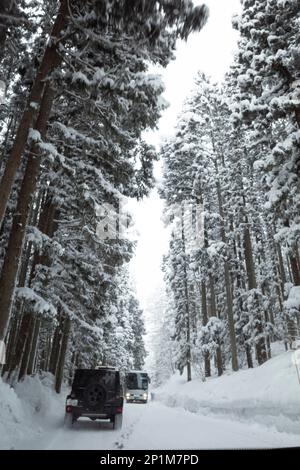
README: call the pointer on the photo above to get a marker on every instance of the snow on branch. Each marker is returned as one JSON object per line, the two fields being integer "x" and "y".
{"x": 38, "y": 304}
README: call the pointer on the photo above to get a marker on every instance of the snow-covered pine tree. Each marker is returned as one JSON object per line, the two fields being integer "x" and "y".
{"x": 239, "y": 266}
{"x": 177, "y": 277}
{"x": 83, "y": 166}
{"x": 112, "y": 34}
{"x": 268, "y": 104}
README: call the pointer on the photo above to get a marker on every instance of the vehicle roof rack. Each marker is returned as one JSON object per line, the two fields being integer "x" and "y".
{"x": 106, "y": 367}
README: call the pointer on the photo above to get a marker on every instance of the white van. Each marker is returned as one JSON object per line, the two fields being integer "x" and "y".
{"x": 137, "y": 386}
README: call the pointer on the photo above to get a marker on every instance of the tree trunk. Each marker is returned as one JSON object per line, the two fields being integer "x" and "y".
{"x": 297, "y": 256}
{"x": 281, "y": 268}
{"x": 297, "y": 115}
{"x": 219, "y": 360}
{"x": 7, "y": 134}
{"x": 42, "y": 362}
{"x": 23, "y": 334}
{"x": 188, "y": 340}
{"x": 32, "y": 354}
{"x": 187, "y": 306}
{"x": 11, "y": 344}
{"x": 62, "y": 355}
{"x": 48, "y": 349}
{"x": 295, "y": 270}
{"x": 55, "y": 349}
{"x": 27, "y": 257}
{"x": 50, "y": 62}
{"x": 249, "y": 260}
{"x": 27, "y": 349}
{"x": 268, "y": 344}
{"x": 47, "y": 227}
{"x": 213, "y": 309}
{"x": 234, "y": 359}
{"x": 289, "y": 269}
{"x": 207, "y": 369}
{"x": 260, "y": 344}
{"x": 281, "y": 294}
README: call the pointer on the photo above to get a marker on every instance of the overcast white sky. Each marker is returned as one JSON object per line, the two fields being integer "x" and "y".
{"x": 210, "y": 51}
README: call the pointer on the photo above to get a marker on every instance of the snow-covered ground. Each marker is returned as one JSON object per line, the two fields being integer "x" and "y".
{"x": 156, "y": 426}
{"x": 28, "y": 411}
{"x": 269, "y": 394}
{"x": 257, "y": 408}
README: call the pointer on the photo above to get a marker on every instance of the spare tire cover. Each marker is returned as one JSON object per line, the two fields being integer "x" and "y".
{"x": 95, "y": 395}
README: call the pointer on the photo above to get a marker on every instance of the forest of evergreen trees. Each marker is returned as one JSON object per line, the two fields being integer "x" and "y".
{"x": 236, "y": 155}
{"x": 77, "y": 95}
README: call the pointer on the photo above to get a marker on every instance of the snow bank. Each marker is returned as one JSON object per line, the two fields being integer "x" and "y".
{"x": 12, "y": 416}
{"x": 269, "y": 394}
{"x": 28, "y": 410}
{"x": 293, "y": 301}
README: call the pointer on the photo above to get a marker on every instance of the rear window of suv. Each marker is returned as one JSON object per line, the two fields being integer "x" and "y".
{"x": 109, "y": 378}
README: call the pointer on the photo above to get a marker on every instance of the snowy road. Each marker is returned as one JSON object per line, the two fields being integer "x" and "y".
{"x": 155, "y": 426}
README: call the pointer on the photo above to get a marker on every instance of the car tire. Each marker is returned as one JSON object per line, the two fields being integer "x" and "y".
{"x": 117, "y": 421}
{"x": 69, "y": 420}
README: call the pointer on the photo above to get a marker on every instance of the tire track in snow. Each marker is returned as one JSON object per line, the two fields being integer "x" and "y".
{"x": 126, "y": 434}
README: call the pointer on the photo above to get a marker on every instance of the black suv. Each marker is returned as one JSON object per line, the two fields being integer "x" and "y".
{"x": 96, "y": 394}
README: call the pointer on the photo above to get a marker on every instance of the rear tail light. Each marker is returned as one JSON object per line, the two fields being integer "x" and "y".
{"x": 72, "y": 402}
{"x": 119, "y": 409}
{"x": 69, "y": 409}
